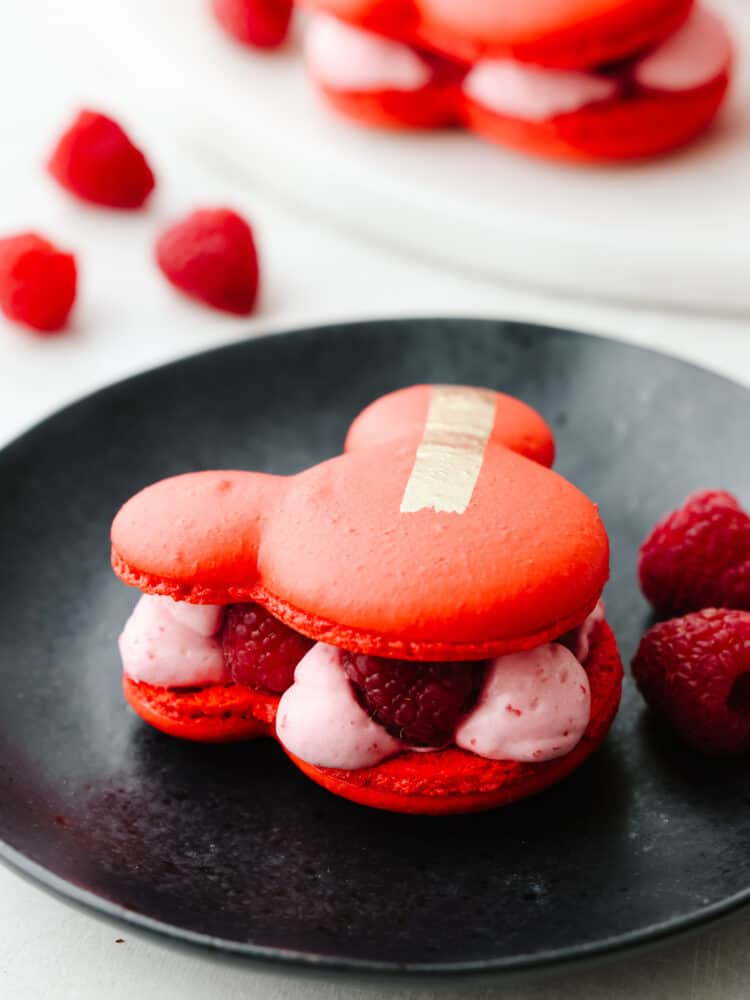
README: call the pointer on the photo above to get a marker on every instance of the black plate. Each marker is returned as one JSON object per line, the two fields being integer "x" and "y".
{"x": 231, "y": 846}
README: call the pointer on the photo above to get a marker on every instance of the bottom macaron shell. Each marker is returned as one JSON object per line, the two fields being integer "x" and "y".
{"x": 645, "y": 125}
{"x": 222, "y": 713}
{"x": 454, "y": 781}
{"x": 431, "y": 107}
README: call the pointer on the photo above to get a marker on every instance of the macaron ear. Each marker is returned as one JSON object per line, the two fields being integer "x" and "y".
{"x": 199, "y": 530}
{"x": 437, "y": 410}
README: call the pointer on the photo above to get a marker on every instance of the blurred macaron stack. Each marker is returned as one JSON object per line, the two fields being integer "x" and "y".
{"x": 573, "y": 79}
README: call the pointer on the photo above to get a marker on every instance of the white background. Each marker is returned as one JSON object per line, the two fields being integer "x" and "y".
{"x": 128, "y": 319}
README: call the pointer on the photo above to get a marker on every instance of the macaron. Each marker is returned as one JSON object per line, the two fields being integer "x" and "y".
{"x": 570, "y": 34}
{"x": 643, "y": 106}
{"x": 417, "y": 620}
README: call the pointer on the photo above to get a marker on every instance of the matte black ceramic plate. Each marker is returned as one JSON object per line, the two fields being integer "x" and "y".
{"x": 232, "y": 846}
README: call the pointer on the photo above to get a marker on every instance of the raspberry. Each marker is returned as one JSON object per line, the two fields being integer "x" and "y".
{"x": 694, "y": 672}
{"x": 420, "y": 703}
{"x": 96, "y": 161}
{"x": 211, "y": 256}
{"x": 37, "y": 282}
{"x": 260, "y": 651}
{"x": 698, "y": 556}
{"x": 263, "y": 24}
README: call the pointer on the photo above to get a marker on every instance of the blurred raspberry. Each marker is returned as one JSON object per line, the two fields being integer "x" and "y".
{"x": 694, "y": 672}
{"x": 260, "y": 651}
{"x": 211, "y": 256}
{"x": 420, "y": 703}
{"x": 263, "y": 24}
{"x": 698, "y": 556}
{"x": 37, "y": 282}
{"x": 96, "y": 161}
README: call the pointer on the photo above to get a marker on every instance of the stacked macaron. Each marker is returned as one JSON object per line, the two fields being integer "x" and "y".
{"x": 577, "y": 79}
{"x": 417, "y": 621}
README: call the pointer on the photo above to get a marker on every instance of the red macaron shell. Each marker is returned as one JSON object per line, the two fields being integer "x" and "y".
{"x": 452, "y": 781}
{"x": 527, "y": 560}
{"x": 194, "y": 537}
{"x": 574, "y": 34}
{"x": 397, "y": 19}
{"x": 330, "y": 552}
{"x": 197, "y": 536}
{"x": 631, "y": 127}
{"x": 433, "y": 106}
{"x": 220, "y": 713}
{"x": 516, "y": 425}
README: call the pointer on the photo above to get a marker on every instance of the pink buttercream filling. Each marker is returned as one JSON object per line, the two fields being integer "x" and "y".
{"x": 533, "y": 93}
{"x": 585, "y": 632}
{"x": 171, "y": 644}
{"x": 695, "y": 54}
{"x": 342, "y": 57}
{"x": 698, "y": 52}
{"x": 205, "y": 619}
{"x": 320, "y": 720}
{"x": 533, "y": 706}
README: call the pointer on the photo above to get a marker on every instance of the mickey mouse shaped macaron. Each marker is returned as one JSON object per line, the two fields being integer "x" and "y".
{"x": 417, "y": 621}
{"x": 572, "y": 79}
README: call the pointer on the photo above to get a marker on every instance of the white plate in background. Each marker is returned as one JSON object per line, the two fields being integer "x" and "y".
{"x": 673, "y": 231}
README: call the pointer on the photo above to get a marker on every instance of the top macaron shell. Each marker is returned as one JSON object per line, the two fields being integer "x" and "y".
{"x": 560, "y": 33}
{"x": 334, "y": 553}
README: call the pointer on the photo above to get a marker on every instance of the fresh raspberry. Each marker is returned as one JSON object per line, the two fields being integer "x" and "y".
{"x": 211, "y": 256}
{"x": 96, "y": 161}
{"x": 263, "y": 24}
{"x": 420, "y": 703}
{"x": 260, "y": 651}
{"x": 695, "y": 673}
{"x": 698, "y": 556}
{"x": 37, "y": 282}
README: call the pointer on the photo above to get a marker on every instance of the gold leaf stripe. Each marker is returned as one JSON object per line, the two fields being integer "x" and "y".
{"x": 449, "y": 456}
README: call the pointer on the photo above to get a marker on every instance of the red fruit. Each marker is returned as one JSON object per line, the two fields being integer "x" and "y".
{"x": 263, "y": 24}
{"x": 96, "y": 161}
{"x": 211, "y": 256}
{"x": 261, "y": 651}
{"x": 698, "y": 556}
{"x": 37, "y": 282}
{"x": 695, "y": 674}
{"x": 420, "y": 703}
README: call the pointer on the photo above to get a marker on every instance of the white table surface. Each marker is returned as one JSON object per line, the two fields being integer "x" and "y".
{"x": 127, "y": 319}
